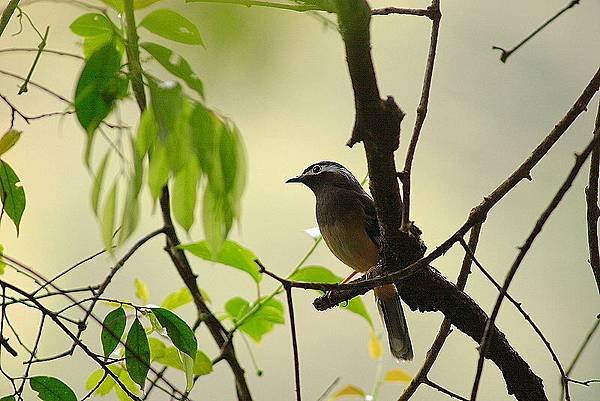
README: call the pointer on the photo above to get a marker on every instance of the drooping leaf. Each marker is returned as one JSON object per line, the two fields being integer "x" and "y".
{"x": 141, "y": 291}
{"x": 131, "y": 208}
{"x": 12, "y": 194}
{"x": 95, "y": 377}
{"x": 146, "y": 133}
{"x": 178, "y": 331}
{"x": 177, "y": 299}
{"x": 185, "y": 187}
{"x": 167, "y": 105}
{"x": 233, "y": 165}
{"x": 113, "y": 328}
{"x": 92, "y": 44}
{"x": 175, "y": 64}
{"x": 8, "y": 398}
{"x": 375, "y": 347}
{"x": 397, "y": 375}
{"x": 98, "y": 181}
{"x": 91, "y": 24}
{"x": 205, "y": 138}
{"x": 158, "y": 171}
{"x": 217, "y": 219}
{"x": 98, "y": 87}
{"x": 173, "y": 26}
{"x": 261, "y": 321}
{"x": 51, "y": 389}
{"x": 231, "y": 254}
{"x": 348, "y": 391}
{"x": 137, "y": 353}
{"x": 9, "y": 140}
{"x": 357, "y": 306}
{"x": 171, "y": 356}
{"x": 107, "y": 220}
{"x": 188, "y": 368}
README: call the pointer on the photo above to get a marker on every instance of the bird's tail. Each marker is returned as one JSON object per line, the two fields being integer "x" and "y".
{"x": 390, "y": 309}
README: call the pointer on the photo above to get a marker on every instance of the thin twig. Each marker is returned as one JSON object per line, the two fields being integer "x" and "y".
{"x": 405, "y": 176}
{"x": 419, "y": 12}
{"x": 580, "y": 351}
{"x": 505, "y": 54}
{"x": 41, "y": 47}
{"x": 444, "y": 390}
{"x": 35, "y": 49}
{"x": 290, "y": 302}
{"x": 267, "y": 4}
{"x": 593, "y": 212}
{"x": 485, "y": 341}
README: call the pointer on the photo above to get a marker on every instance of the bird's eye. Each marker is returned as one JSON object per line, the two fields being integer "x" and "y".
{"x": 316, "y": 169}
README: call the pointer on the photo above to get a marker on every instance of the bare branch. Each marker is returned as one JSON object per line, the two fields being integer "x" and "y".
{"x": 593, "y": 212}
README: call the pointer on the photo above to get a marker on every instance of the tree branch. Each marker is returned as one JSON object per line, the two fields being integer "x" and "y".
{"x": 593, "y": 212}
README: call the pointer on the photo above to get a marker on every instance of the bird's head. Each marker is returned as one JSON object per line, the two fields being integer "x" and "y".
{"x": 326, "y": 175}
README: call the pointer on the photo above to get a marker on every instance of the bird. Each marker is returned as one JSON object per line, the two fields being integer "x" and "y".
{"x": 348, "y": 223}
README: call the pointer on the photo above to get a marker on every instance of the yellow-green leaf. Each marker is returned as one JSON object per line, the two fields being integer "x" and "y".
{"x": 177, "y": 299}
{"x": 185, "y": 187}
{"x": 2, "y": 262}
{"x": 173, "y": 26}
{"x": 108, "y": 218}
{"x": 397, "y": 375}
{"x": 9, "y": 140}
{"x": 107, "y": 382}
{"x": 348, "y": 391}
{"x": 141, "y": 291}
{"x": 375, "y": 347}
{"x": 98, "y": 181}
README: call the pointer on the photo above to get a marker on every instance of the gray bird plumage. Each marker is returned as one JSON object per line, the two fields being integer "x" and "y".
{"x": 348, "y": 222}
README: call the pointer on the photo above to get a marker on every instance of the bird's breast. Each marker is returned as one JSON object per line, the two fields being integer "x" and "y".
{"x": 349, "y": 242}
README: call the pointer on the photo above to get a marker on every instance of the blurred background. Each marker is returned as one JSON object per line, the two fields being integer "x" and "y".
{"x": 281, "y": 76}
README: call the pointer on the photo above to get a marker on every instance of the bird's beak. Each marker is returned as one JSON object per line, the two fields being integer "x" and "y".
{"x": 298, "y": 178}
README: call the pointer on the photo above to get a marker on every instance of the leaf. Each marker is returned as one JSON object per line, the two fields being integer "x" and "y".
{"x": 12, "y": 194}
{"x": 128, "y": 383}
{"x": 173, "y": 26}
{"x": 108, "y": 217}
{"x": 2, "y": 262}
{"x": 205, "y": 138}
{"x": 188, "y": 368}
{"x": 113, "y": 328}
{"x": 185, "y": 187}
{"x": 167, "y": 104}
{"x": 320, "y": 274}
{"x": 315, "y": 274}
{"x": 178, "y": 331}
{"x": 94, "y": 378}
{"x": 98, "y": 87}
{"x": 137, "y": 353}
{"x": 233, "y": 165}
{"x": 158, "y": 171}
{"x": 8, "y": 398}
{"x": 397, "y": 375}
{"x": 171, "y": 356}
{"x": 141, "y": 291}
{"x": 177, "y": 299}
{"x": 231, "y": 254}
{"x": 51, "y": 389}
{"x": 92, "y": 44}
{"x": 202, "y": 364}
{"x": 98, "y": 181}
{"x": 9, "y": 140}
{"x": 348, "y": 391}
{"x": 262, "y": 321}
{"x": 91, "y": 24}
{"x": 375, "y": 347}
{"x": 175, "y": 64}
{"x": 216, "y": 220}
{"x": 146, "y": 133}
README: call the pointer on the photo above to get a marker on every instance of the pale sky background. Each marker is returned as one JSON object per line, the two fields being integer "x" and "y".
{"x": 282, "y": 78}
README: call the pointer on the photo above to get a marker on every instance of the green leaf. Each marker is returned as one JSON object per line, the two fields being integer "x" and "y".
{"x": 98, "y": 87}
{"x": 315, "y": 274}
{"x": 217, "y": 219}
{"x": 91, "y": 24}
{"x": 231, "y": 254}
{"x": 167, "y": 104}
{"x": 320, "y": 274}
{"x": 128, "y": 383}
{"x": 175, "y": 64}
{"x": 2, "y": 262}
{"x": 113, "y": 328}
{"x": 188, "y": 368}
{"x": 202, "y": 364}
{"x": 8, "y": 398}
{"x": 178, "y": 331}
{"x": 12, "y": 194}
{"x": 141, "y": 291}
{"x": 51, "y": 389}
{"x": 185, "y": 187}
{"x": 348, "y": 391}
{"x": 177, "y": 299}
{"x": 261, "y": 321}
{"x": 94, "y": 378}
{"x": 171, "y": 356}
{"x": 131, "y": 209}
{"x": 92, "y": 44}
{"x": 146, "y": 133}
{"x": 108, "y": 218}
{"x": 173, "y": 26}
{"x": 9, "y": 140}
{"x": 205, "y": 138}
{"x": 137, "y": 353}
{"x": 98, "y": 181}
{"x": 233, "y": 165}
{"x": 158, "y": 171}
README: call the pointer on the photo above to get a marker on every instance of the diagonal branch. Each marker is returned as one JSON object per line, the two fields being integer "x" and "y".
{"x": 593, "y": 212}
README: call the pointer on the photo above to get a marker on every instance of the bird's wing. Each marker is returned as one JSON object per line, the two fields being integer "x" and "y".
{"x": 371, "y": 222}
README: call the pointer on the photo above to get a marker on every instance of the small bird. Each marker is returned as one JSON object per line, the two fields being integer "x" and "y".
{"x": 348, "y": 223}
